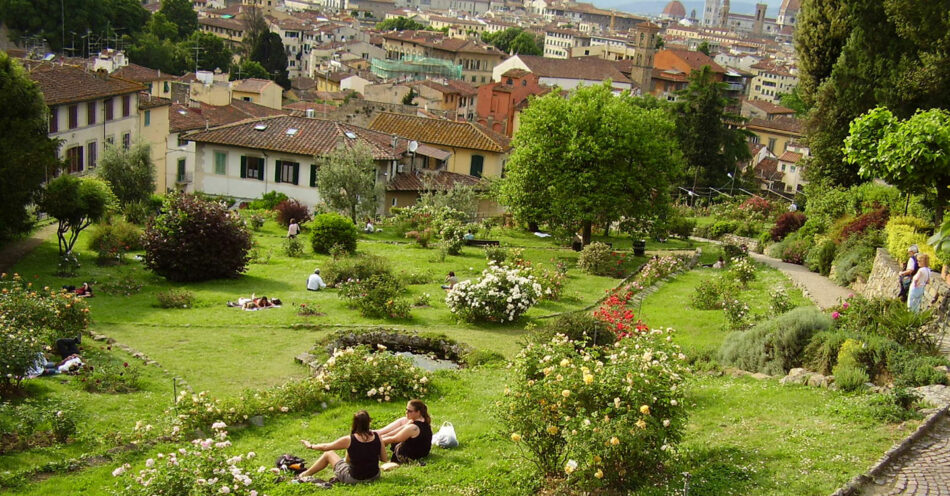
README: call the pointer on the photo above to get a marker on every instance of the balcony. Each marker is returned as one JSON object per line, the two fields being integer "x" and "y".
{"x": 185, "y": 178}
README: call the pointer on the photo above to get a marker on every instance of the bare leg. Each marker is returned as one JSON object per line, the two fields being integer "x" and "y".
{"x": 328, "y": 458}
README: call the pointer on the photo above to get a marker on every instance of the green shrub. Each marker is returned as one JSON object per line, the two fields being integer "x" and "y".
{"x": 478, "y": 358}
{"x": 333, "y": 229}
{"x": 737, "y": 313}
{"x": 710, "y": 294}
{"x": 903, "y": 231}
{"x": 680, "y": 226}
{"x": 597, "y": 258}
{"x": 175, "y": 298}
{"x": 606, "y": 421}
{"x": 114, "y": 238}
{"x": 376, "y": 296}
{"x": 358, "y": 374}
{"x": 496, "y": 254}
{"x": 580, "y": 327}
{"x": 850, "y": 378}
{"x": 267, "y": 201}
{"x": 821, "y": 354}
{"x": 795, "y": 252}
{"x": 730, "y": 252}
{"x": 105, "y": 374}
{"x": 774, "y": 346}
{"x": 453, "y": 236}
{"x": 820, "y": 256}
{"x": 196, "y": 240}
{"x": 293, "y": 247}
{"x": 722, "y": 227}
{"x": 32, "y": 424}
{"x": 340, "y": 270}
{"x": 422, "y": 237}
{"x": 854, "y": 260}
{"x": 779, "y": 300}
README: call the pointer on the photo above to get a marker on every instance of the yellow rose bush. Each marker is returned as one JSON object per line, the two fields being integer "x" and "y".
{"x": 602, "y": 417}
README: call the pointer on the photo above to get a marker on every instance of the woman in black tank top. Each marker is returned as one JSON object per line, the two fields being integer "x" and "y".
{"x": 411, "y": 436}
{"x": 364, "y": 451}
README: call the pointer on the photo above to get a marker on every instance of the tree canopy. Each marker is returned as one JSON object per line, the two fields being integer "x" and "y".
{"x": 592, "y": 157}
{"x": 346, "y": 181}
{"x": 51, "y": 19}
{"x": 130, "y": 173}
{"x": 400, "y": 24}
{"x": 912, "y": 154}
{"x": 515, "y": 41}
{"x": 29, "y": 155}
{"x": 182, "y": 14}
{"x": 268, "y": 50}
{"x": 76, "y": 203}
{"x": 711, "y": 142}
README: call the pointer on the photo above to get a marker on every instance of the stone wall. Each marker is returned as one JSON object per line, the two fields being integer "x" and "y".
{"x": 882, "y": 283}
{"x": 732, "y": 239}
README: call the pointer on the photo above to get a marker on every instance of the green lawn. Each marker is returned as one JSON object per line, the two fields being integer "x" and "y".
{"x": 744, "y": 437}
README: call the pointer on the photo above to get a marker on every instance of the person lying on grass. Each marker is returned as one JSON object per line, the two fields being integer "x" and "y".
{"x": 253, "y": 303}
{"x": 364, "y": 452}
{"x": 410, "y": 436}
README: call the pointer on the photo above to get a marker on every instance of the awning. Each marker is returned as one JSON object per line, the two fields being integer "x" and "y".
{"x": 431, "y": 151}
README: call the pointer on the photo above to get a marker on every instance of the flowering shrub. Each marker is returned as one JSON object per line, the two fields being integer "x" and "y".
{"x": 502, "y": 294}
{"x": 598, "y": 259}
{"x": 712, "y": 293}
{"x": 421, "y": 237}
{"x": 756, "y": 204}
{"x": 339, "y": 270}
{"x": 737, "y": 313}
{"x": 293, "y": 247}
{"x": 376, "y": 296}
{"x": 113, "y": 239}
{"x": 196, "y": 240}
{"x": 658, "y": 268}
{"x": 175, "y": 298}
{"x": 32, "y": 424}
{"x": 105, "y": 374}
{"x": 453, "y": 236}
{"x": 742, "y": 270}
{"x": 603, "y": 417}
{"x": 68, "y": 265}
{"x": 551, "y": 281}
{"x": 875, "y": 219}
{"x": 496, "y": 254}
{"x": 420, "y": 217}
{"x": 203, "y": 468}
{"x": 357, "y": 373}
{"x": 620, "y": 320}
{"x": 19, "y": 346}
{"x": 795, "y": 251}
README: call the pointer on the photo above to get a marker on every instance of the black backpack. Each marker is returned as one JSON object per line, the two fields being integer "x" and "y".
{"x": 291, "y": 463}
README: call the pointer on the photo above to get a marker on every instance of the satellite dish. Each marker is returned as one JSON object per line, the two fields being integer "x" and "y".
{"x": 413, "y": 146}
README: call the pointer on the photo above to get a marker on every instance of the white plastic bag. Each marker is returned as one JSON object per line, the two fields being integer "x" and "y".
{"x": 445, "y": 438}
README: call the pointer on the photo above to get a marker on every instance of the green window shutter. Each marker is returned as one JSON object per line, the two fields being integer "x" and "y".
{"x": 260, "y": 173}
{"x": 477, "y": 165}
{"x": 313, "y": 175}
{"x": 278, "y": 165}
{"x": 296, "y": 173}
{"x": 243, "y": 166}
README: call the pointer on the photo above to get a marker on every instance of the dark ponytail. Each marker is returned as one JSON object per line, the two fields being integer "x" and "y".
{"x": 361, "y": 422}
{"x": 423, "y": 410}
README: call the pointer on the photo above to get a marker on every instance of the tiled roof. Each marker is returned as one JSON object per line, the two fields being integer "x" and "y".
{"x": 313, "y": 136}
{"x": 767, "y": 168}
{"x": 695, "y": 60}
{"x": 182, "y": 118}
{"x": 586, "y": 68}
{"x": 216, "y": 22}
{"x": 791, "y": 157}
{"x": 514, "y": 73}
{"x": 784, "y": 124}
{"x": 147, "y": 101}
{"x": 440, "y": 132}
{"x": 413, "y": 181}
{"x": 439, "y": 41}
{"x": 251, "y": 85}
{"x": 769, "y": 107}
{"x": 67, "y": 84}
{"x": 135, "y": 72}
{"x": 302, "y": 83}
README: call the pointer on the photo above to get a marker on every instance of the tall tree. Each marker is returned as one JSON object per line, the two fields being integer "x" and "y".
{"x": 130, "y": 173}
{"x": 54, "y": 19}
{"x": 76, "y": 203}
{"x": 589, "y": 157}
{"x": 711, "y": 142}
{"x": 515, "y": 41}
{"x": 399, "y": 24}
{"x": 255, "y": 26}
{"x": 912, "y": 154}
{"x": 212, "y": 52}
{"x": 183, "y": 15}
{"x": 249, "y": 69}
{"x": 346, "y": 181}
{"x": 162, "y": 54}
{"x": 29, "y": 156}
{"x": 269, "y": 51}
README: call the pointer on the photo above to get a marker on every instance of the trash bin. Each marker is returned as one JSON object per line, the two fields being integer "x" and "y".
{"x": 639, "y": 247}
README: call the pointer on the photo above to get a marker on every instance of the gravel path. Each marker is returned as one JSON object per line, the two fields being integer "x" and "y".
{"x": 818, "y": 288}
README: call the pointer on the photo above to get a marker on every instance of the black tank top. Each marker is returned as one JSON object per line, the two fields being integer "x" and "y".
{"x": 419, "y": 446}
{"x": 364, "y": 457}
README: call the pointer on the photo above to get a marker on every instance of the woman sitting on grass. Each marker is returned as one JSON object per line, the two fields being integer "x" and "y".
{"x": 364, "y": 452}
{"x": 411, "y": 436}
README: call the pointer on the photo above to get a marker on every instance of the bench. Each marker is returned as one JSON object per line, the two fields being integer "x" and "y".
{"x": 481, "y": 242}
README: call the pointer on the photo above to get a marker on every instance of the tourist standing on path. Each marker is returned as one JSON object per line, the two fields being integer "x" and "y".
{"x": 908, "y": 273}
{"x": 915, "y": 294}
{"x": 293, "y": 229}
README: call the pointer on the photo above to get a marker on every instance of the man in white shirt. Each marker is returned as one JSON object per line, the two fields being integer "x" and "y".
{"x": 315, "y": 282}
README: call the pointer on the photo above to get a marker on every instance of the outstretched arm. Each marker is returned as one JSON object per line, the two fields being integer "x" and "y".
{"x": 408, "y": 431}
{"x": 342, "y": 443}
{"x": 393, "y": 427}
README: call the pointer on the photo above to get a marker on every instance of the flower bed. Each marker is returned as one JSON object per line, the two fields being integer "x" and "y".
{"x": 440, "y": 346}
{"x": 355, "y": 373}
{"x": 502, "y": 294}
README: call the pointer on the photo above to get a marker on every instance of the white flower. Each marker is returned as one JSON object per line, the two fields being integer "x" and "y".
{"x": 150, "y": 462}
{"x": 219, "y": 425}
{"x": 571, "y": 466}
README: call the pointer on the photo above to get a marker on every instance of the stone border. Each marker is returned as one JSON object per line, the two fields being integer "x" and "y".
{"x": 857, "y": 483}
{"x": 141, "y": 356}
{"x": 445, "y": 348}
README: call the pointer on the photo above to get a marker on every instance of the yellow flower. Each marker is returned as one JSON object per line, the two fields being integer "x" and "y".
{"x": 641, "y": 424}
{"x": 565, "y": 362}
{"x": 599, "y": 474}
{"x": 559, "y": 378}
{"x": 515, "y": 437}
{"x": 597, "y": 459}
{"x": 588, "y": 379}
{"x": 552, "y": 429}
{"x": 570, "y": 467}
{"x": 614, "y": 441}
{"x": 645, "y": 409}
{"x": 616, "y": 402}
{"x": 566, "y": 393}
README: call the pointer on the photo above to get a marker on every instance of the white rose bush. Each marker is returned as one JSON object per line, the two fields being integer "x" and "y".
{"x": 601, "y": 417}
{"x": 355, "y": 373}
{"x": 502, "y": 294}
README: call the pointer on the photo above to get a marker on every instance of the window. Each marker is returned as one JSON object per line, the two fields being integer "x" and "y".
{"x": 180, "y": 176}
{"x": 126, "y": 140}
{"x": 126, "y": 105}
{"x": 91, "y": 113}
{"x": 110, "y": 109}
{"x": 53, "y": 120}
{"x": 252, "y": 167}
{"x": 286, "y": 172}
{"x": 771, "y": 146}
{"x": 148, "y": 118}
{"x": 165, "y": 87}
{"x": 221, "y": 163}
{"x": 73, "y": 113}
{"x": 313, "y": 175}
{"x": 92, "y": 153}
{"x": 783, "y": 167}
{"x": 394, "y": 201}
{"x": 246, "y": 98}
{"x": 110, "y": 140}
{"x": 74, "y": 158}
{"x": 478, "y": 163}
{"x": 793, "y": 168}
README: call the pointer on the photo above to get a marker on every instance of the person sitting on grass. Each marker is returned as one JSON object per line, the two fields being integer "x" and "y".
{"x": 410, "y": 436}
{"x": 364, "y": 452}
{"x": 315, "y": 282}
{"x": 450, "y": 281}
{"x": 84, "y": 291}
{"x": 720, "y": 264}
